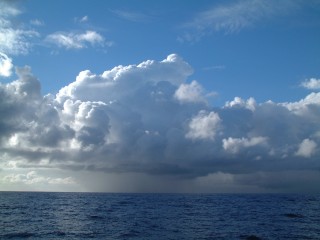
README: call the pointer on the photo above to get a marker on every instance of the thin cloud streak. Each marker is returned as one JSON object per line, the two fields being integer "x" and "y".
{"x": 131, "y": 16}
{"x": 73, "y": 40}
{"x": 232, "y": 18}
{"x": 37, "y": 22}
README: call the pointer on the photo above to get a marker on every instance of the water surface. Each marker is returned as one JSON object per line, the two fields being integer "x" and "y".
{"x": 40, "y": 215}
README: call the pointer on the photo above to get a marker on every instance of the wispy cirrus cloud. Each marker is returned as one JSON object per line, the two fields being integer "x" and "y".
{"x": 8, "y": 10}
{"x": 13, "y": 39}
{"x": 83, "y": 19}
{"x": 234, "y": 17}
{"x": 18, "y": 39}
{"x": 37, "y": 22}
{"x": 214, "y": 67}
{"x": 71, "y": 40}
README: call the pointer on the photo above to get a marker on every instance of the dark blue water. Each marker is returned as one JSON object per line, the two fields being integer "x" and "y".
{"x": 36, "y": 215}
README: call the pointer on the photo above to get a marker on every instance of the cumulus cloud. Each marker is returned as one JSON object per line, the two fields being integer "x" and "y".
{"x": 29, "y": 120}
{"x": 204, "y": 125}
{"x": 307, "y": 148}
{"x": 303, "y": 106}
{"x": 239, "y": 102}
{"x": 71, "y": 40}
{"x": 234, "y": 145}
{"x": 192, "y": 92}
{"x": 124, "y": 81}
{"x": 146, "y": 119}
{"x": 311, "y": 83}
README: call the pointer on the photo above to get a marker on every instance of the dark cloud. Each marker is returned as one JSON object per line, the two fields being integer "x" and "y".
{"x": 142, "y": 119}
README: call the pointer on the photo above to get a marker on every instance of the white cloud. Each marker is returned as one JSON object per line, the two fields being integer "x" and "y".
{"x": 33, "y": 177}
{"x": 302, "y": 106}
{"x": 239, "y": 102}
{"x": 306, "y": 148}
{"x": 13, "y": 40}
{"x": 16, "y": 41}
{"x": 204, "y": 125}
{"x": 192, "y": 92}
{"x": 311, "y": 83}
{"x": 5, "y": 65}
{"x": 64, "y": 181}
{"x": 7, "y": 10}
{"x": 234, "y": 17}
{"x": 77, "y": 40}
{"x": 84, "y": 19}
{"x": 37, "y": 22}
{"x": 122, "y": 81}
{"x": 234, "y": 145}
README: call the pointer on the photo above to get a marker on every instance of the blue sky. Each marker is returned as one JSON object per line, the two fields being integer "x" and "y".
{"x": 264, "y": 53}
{"x": 198, "y": 83}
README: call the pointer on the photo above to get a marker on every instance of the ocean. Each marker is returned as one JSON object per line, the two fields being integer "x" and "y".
{"x": 46, "y": 215}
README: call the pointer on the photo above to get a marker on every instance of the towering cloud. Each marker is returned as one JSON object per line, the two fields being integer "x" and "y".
{"x": 150, "y": 118}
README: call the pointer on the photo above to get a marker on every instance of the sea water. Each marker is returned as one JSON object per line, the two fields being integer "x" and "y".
{"x": 42, "y": 215}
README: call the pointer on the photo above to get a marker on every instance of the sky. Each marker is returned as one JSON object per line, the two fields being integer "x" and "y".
{"x": 160, "y": 96}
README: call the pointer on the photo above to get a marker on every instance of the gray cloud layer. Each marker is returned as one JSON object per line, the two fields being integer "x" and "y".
{"x": 149, "y": 119}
